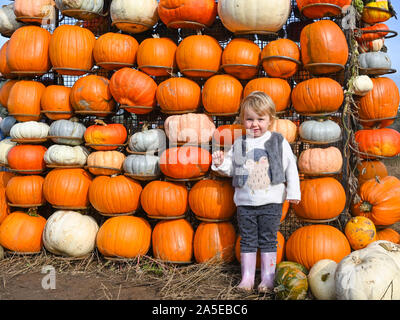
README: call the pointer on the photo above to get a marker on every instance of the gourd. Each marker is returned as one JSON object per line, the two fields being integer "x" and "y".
{"x": 380, "y": 60}
{"x": 321, "y": 279}
{"x": 69, "y": 132}
{"x": 362, "y": 85}
{"x": 320, "y": 131}
{"x": 5, "y": 147}
{"x": 142, "y": 165}
{"x": 29, "y": 130}
{"x": 148, "y": 140}
{"x": 94, "y": 6}
{"x": 63, "y": 155}
{"x": 290, "y": 281}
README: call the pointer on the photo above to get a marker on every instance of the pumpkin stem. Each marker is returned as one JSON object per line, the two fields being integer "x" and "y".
{"x": 366, "y": 207}
{"x": 377, "y": 179}
{"x": 100, "y": 122}
{"x": 145, "y": 126}
{"x": 156, "y": 36}
{"x": 32, "y": 212}
{"x": 279, "y": 288}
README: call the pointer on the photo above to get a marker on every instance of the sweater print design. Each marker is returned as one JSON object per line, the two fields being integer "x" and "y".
{"x": 257, "y": 169}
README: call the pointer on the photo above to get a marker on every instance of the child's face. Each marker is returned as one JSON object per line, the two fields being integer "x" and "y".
{"x": 256, "y": 125}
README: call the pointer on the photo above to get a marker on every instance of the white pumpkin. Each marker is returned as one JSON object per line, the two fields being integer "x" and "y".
{"x": 63, "y": 155}
{"x": 148, "y": 140}
{"x": 143, "y": 165}
{"x": 372, "y": 273}
{"x": 69, "y": 233}
{"x": 29, "y": 130}
{"x": 321, "y": 279}
{"x": 69, "y": 132}
{"x": 371, "y": 60}
{"x": 5, "y": 146}
{"x": 362, "y": 85}
{"x": 254, "y": 15}
{"x": 8, "y": 22}
{"x": 95, "y": 6}
{"x": 134, "y": 16}
{"x": 320, "y": 130}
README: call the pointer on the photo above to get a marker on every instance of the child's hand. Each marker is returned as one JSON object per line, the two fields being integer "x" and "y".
{"x": 218, "y": 158}
{"x": 294, "y": 201}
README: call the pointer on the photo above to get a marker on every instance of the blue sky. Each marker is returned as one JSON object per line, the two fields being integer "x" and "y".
{"x": 392, "y": 44}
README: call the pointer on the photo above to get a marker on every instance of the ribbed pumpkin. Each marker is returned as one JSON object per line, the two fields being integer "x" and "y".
{"x": 214, "y": 242}
{"x": 309, "y": 244}
{"x": 226, "y": 134}
{"x": 185, "y": 162}
{"x": 115, "y": 195}
{"x": 360, "y": 231}
{"x": 4, "y": 67}
{"x": 286, "y": 128}
{"x": 105, "y": 162}
{"x": 164, "y": 199}
{"x": 178, "y": 95}
{"x": 320, "y": 160}
{"x": 25, "y": 190}
{"x": 317, "y": 95}
{"x": 91, "y": 95}
{"x": 212, "y": 200}
{"x": 134, "y": 90}
{"x": 380, "y": 142}
{"x": 71, "y": 50}
{"x": 156, "y": 56}
{"x": 34, "y": 11}
{"x": 26, "y": 57}
{"x": 27, "y": 159}
{"x": 321, "y": 34}
{"x": 280, "y": 58}
{"x": 241, "y": 58}
{"x": 22, "y": 232}
{"x": 222, "y": 94}
{"x": 102, "y": 136}
{"x": 379, "y": 201}
{"x": 113, "y": 51}
{"x": 67, "y": 188}
{"x": 196, "y": 128}
{"x": 191, "y": 14}
{"x": 55, "y": 103}
{"x": 124, "y": 237}
{"x": 199, "y": 56}
{"x": 369, "y": 169}
{"x": 278, "y": 89}
{"x": 5, "y": 91}
{"x": 172, "y": 241}
{"x": 316, "y": 9}
{"x": 321, "y": 199}
{"x": 388, "y": 234}
{"x": 24, "y": 100}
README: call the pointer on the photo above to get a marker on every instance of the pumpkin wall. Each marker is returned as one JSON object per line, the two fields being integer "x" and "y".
{"x": 127, "y": 94}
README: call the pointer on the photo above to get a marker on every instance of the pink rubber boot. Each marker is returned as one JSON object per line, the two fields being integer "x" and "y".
{"x": 248, "y": 269}
{"x": 268, "y": 263}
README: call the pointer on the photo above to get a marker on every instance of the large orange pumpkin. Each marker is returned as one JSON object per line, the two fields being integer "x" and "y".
{"x": 379, "y": 201}
{"x": 316, "y": 9}
{"x": 212, "y": 200}
{"x": 309, "y": 244}
{"x": 55, "y": 103}
{"x": 4, "y": 67}
{"x": 71, "y": 50}
{"x": 22, "y": 232}
{"x": 369, "y": 169}
{"x": 27, "y": 159}
{"x": 102, "y": 136}
{"x": 5, "y": 91}
{"x": 214, "y": 242}
{"x": 226, "y": 134}
{"x": 320, "y": 160}
{"x": 318, "y": 54}
{"x": 25, "y": 190}
{"x": 360, "y": 231}
{"x": 134, "y": 90}
{"x": 114, "y": 195}
{"x": 172, "y": 241}
{"x": 164, "y": 199}
{"x": 124, "y": 237}
{"x": 378, "y": 142}
{"x": 192, "y": 14}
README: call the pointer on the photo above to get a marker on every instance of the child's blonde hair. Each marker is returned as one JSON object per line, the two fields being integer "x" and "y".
{"x": 260, "y": 103}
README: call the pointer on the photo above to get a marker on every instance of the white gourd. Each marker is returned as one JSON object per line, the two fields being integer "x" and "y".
{"x": 5, "y": 146}
{"x": 362, "y": 85}
{"x": 148, "y": 140}
{"x": 87, "y": 5}
{"x": 66, "y": 155}
{"x": 29, "y": 130}
{"x": 8, "y": 22}
{"x": 321, "y": 279}
{"x": 322, "y": 131}
{"x": 146, "y": 165}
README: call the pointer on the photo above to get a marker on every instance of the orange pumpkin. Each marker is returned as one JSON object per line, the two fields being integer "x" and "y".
{"x": 379, "y": 201}
{"x": 316, "y": 9}
{"x": 124, "y": 237}
{"x": 67, "y": 188}
{"x": 113, "y": 51}
{"x": 115, "y": 195}
{"x": 5, "y": 92}
{"x": 91, "y": 95}
{"x": 285, "y": 210}
{"x": 4, "y": 207}
{"x": 222, "y": 94}
{"x": 280, "y": 58}
{"x": 278, "y": 89}
{"x": 27, "y": 159}
{"x": 134, "y": 90}
{"x": 199, "y": 56}
{"x": 241, "y": 58}
{"x": 34, "y": 11}
{"x": 309, "y": 244}
{"x": 226, "y": 134}
{"x": 24, "y": 100}
{"x": 4, "y": 67}
{"x": 360, "y": 231}
{"x": 22, "y": 232}
{"x": 378, "y": 142}
{"x": 178, "y": 95}
{"x": 102, "y": 136}
{"x": 156, "y": 56}
{"x": 388, "y": 234}
{"x": 164, "y": 199}
{"x": 369, "y": 169}
{"x": 316, "y": 47}
{"x": 286, "y": 128}
{"x": 321, "y": 199}
{"x": 71, "y": 50}
{"x": 105, "y": 162}
{"x": 212, "y": 200}
{"x": 55, "y": 103}
{"x": 25, "y": 190}
{"x": 320, "y": 160}
{"x": 185, "y": 162}
{"x": 172, "y": 241}
{"x": 214, "y": 242}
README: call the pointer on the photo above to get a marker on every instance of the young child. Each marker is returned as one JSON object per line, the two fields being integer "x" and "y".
{"x": 264, "y": 173}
